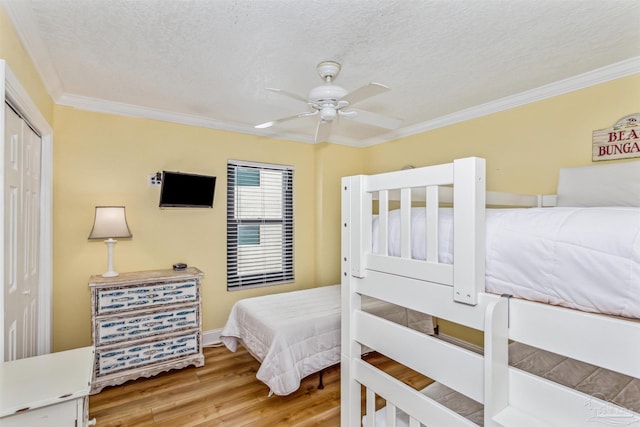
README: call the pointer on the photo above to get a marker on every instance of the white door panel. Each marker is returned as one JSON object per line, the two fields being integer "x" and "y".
{"x": 31, "y": 184}
{"x": 21, "y": 228}
{"x": 13, "y": 231}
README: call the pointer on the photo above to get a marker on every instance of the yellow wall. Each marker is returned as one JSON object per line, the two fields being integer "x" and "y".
{"x": 12, "y": 51}
{"x": 332, "y": 163}
{"x": 524, "y": 147}
{"x": 105, "y": 159}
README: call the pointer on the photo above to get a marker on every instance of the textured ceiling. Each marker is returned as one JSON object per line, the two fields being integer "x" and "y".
{"x": 208, "y": 62}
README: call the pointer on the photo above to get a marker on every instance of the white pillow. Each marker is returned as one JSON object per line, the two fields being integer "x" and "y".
{"x": 616, "y": 184}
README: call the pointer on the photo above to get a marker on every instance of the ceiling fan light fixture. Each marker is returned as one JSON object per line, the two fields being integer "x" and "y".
{"x": 328, "y": 113}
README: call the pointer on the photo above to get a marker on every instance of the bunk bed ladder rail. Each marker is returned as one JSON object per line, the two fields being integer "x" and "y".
{"x": 484, "y": 379}
{"x": 350, "y": 349}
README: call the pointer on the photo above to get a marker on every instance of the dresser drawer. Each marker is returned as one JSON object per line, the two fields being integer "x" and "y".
{"x": 140, "y": 325}
{"x": 141, "y": 297}
{"x": 116, "y": 359}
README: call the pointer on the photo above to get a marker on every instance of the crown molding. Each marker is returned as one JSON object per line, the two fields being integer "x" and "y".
{"x": 131, "y": 110}
{"x": 602, "y": 75}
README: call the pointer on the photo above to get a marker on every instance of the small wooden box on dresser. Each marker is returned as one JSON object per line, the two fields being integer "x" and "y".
{"x": 145, "y": 323}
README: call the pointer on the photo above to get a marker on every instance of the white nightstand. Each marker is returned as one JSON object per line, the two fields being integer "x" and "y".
{"x": 47, "y": 390}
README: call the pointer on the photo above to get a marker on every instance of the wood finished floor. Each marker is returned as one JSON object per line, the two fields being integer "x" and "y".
{"x": 225, "y": 392}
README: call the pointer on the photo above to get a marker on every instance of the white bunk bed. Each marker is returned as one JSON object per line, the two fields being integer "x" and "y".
{"x": 456, "y": 291}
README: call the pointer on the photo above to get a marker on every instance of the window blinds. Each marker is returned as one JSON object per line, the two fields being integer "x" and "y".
{"x": 259, "y": 224}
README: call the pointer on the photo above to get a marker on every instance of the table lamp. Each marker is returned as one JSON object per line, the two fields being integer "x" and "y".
{"x": 110, "y": 223}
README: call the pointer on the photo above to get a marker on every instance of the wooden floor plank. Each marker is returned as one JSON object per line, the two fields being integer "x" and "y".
{"x": 225, "y": 392}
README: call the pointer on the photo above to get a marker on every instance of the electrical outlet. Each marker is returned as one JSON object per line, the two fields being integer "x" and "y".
{"x": 155, "y": 179}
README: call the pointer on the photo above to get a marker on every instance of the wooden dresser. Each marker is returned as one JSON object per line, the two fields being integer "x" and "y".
{"x": 145, "y": 323}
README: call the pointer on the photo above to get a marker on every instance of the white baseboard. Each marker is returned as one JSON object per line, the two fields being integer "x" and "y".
{"x": 460, "y": 343}
{"x": 211, "y": 337}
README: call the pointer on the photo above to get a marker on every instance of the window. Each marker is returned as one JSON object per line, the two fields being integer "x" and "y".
{"x": 259, "y": 224}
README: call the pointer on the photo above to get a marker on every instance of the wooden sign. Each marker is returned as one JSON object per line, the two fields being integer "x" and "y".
{"x": 621, "y": 141}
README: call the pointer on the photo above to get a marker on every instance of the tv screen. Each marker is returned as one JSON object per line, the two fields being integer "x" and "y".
{"x": 186, "y": 190}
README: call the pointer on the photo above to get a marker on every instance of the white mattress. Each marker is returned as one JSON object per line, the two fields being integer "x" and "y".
{"x": 582, "y": 258}
{"x": 295, "y": 334}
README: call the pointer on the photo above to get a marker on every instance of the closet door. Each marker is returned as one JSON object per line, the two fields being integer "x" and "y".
{"x": 21, "y": 246}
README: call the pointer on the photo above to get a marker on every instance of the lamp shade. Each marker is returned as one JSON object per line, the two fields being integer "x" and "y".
{"x": 110, "y": 222}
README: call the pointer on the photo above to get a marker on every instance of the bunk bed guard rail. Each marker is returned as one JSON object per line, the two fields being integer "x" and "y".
{"x": 424, "y": 185}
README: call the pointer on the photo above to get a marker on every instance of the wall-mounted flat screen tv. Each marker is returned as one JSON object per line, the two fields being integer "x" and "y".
{"x": 186, "y": 190}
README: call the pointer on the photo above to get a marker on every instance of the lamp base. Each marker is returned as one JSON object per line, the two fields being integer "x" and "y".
{"x": 110, "y": 272}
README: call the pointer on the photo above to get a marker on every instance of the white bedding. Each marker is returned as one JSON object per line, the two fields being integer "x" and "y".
{"x": 295, "y": 334}
{"x": 582, "y": 258}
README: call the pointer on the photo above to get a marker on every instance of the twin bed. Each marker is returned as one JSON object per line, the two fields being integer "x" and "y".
{"x": 296, "y": 334}
{"x": 562, "y": 283}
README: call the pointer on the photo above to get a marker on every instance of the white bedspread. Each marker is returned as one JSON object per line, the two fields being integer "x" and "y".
{"x": 582, "y": 258}
{"x": 295, "y": 334}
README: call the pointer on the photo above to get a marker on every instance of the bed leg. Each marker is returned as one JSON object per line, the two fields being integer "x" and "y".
{"x": 320, "y": 385}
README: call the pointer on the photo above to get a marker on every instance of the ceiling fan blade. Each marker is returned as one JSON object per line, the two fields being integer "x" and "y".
{"x": 284, "y": 119}
{"x": 372, "y": 89}
{"x": 349, "y": 113}
{"x": 289, "y": 94}
{"x": 322, "y": 131}
{"x": 375, "y": 119}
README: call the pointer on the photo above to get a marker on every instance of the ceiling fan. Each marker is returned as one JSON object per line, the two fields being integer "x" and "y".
{"x": 329, "y": 102}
